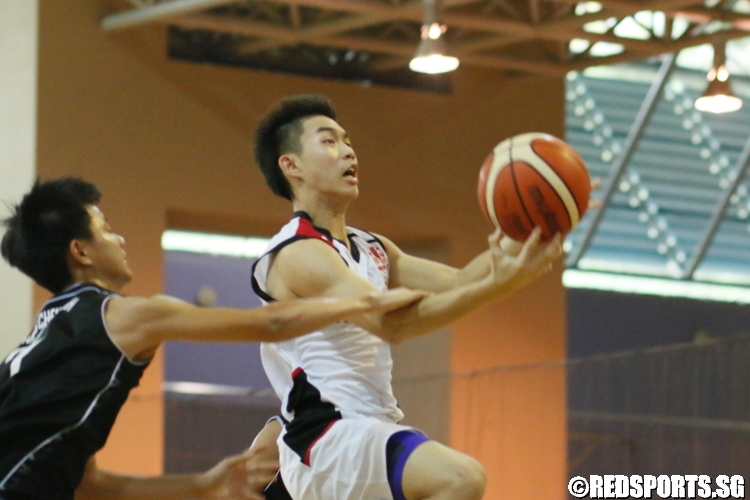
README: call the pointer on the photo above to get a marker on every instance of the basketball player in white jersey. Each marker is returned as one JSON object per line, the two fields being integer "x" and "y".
{"x": 342, "y": 440}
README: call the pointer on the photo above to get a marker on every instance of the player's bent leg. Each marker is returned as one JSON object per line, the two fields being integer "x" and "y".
{"x": 436, "y": 472}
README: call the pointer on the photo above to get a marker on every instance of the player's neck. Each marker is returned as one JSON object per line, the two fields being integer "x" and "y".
{"x": 326, "y": 216}
{"x": 82, "y": 276}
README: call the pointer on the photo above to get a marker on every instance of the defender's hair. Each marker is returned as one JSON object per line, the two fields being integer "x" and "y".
{"x": 279, "y": 133}
{"x": 41, "y": 227}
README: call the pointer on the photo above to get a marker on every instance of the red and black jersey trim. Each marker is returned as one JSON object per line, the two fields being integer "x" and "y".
{"x": 312, "y": 416}
{"x": 305, "y": 230}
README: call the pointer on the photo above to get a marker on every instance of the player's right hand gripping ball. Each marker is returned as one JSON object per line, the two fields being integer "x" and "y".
{"x": 534, "y": 179}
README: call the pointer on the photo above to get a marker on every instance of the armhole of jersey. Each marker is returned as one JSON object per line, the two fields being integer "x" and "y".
{"x": 379, "y": 242}
{"x": 254, "y": 282}
{"x": 109, "y": 335}
{"x": 277, "y": 418}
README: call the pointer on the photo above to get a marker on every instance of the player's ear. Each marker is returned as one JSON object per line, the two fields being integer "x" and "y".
{"x": 289, "y": 165}
{"x": 78, "y": 252}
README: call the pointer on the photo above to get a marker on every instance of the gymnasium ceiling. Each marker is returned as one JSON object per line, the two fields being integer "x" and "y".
{"x": 517, "y": 36}
{"x": 678, "y": 208}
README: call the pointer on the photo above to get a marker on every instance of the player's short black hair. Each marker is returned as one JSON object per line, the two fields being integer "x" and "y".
{"x": 41, "y": 227}
{"x": 279, "y": 133}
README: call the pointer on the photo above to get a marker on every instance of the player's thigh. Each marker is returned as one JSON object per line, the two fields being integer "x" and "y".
{"x": 433, "y": 467}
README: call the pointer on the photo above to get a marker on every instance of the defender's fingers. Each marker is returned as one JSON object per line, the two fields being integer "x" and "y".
{"x": 251, "y": 452}
{"x": 249, "y": 494}
{"x": 266, "y": 467}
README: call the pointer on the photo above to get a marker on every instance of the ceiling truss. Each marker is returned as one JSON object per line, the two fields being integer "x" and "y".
{"x": 527, "y": 36}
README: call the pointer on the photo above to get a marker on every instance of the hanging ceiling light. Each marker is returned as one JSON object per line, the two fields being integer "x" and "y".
{"x": 431, "y": 54}
{"x": 718, "y": 97}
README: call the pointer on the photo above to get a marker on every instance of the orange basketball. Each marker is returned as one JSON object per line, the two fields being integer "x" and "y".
{"x": 533, "y": 180}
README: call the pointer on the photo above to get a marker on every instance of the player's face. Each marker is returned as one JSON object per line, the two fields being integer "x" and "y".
{"x": 106, "y": 250}
{"x": 328, "y": 163}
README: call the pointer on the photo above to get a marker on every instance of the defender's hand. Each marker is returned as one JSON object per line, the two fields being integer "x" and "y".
{"x": 239, "y": 477}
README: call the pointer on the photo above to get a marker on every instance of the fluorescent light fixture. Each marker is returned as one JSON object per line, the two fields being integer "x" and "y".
{"x": 573, "y": 278}
{"x": 204, "y": 389}
{"x": 213, "y": 244}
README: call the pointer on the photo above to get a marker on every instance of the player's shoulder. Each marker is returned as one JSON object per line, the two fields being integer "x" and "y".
{"x": 75, "y": 297}
{"x": 377, "y": 239}
{"x": 306, "y": 251}
{"x": 300, "y": 228}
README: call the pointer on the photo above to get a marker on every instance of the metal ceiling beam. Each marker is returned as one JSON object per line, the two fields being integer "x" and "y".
{"x": 408, "y": 50}
{"x": 483, "y": 43}
{"x": 156, "y": 12}
{"x": 618, "y": 9}
{"x": 509, "y": 63}
{"x": 648, "y": 106}
{"x": 282, "y": 36}
{"x": 222, "y": 24}
{"x": 699, "y": 253}
{"x": 652, "y": 5}
{"x": 304, "y": 34}
{"x": 664, "y": 47}
{"x": 513, "y": 31}
{"x": 371, "y": 14}
{"x": 294, "y": 16}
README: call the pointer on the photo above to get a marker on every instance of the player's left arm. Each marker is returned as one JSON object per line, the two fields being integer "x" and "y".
{"x": 422, "y": 274}
{"x": 240, "y": 477}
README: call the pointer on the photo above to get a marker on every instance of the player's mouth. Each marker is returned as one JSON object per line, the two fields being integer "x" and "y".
{"x": 351, "y": 174}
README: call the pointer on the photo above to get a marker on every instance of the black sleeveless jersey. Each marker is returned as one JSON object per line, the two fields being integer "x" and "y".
{"x": 60, "y": 392}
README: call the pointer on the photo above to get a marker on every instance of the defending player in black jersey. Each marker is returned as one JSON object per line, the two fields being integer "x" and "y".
{"x": 62, "y": 388}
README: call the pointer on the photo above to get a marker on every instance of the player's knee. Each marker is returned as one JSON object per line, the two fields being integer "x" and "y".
{"x": 468, "y": 480}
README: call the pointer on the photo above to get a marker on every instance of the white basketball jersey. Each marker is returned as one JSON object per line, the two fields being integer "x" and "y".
{"x": 349, "y": 366}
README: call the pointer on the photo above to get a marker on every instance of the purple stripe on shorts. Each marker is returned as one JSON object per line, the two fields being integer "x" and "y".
{"x": 400, "y": 447}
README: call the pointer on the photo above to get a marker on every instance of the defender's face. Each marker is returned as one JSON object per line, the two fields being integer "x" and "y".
{"x": 327, "y": 162}
{"x": 106, "y": 249}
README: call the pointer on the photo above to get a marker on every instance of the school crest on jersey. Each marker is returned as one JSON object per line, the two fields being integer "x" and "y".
{"x": 381, "y": 260}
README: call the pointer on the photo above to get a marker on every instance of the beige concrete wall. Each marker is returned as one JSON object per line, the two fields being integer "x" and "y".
{"x": 18, "y": 84}
{"x": 422, "y": 366}
{"x": 162, "y": 138}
